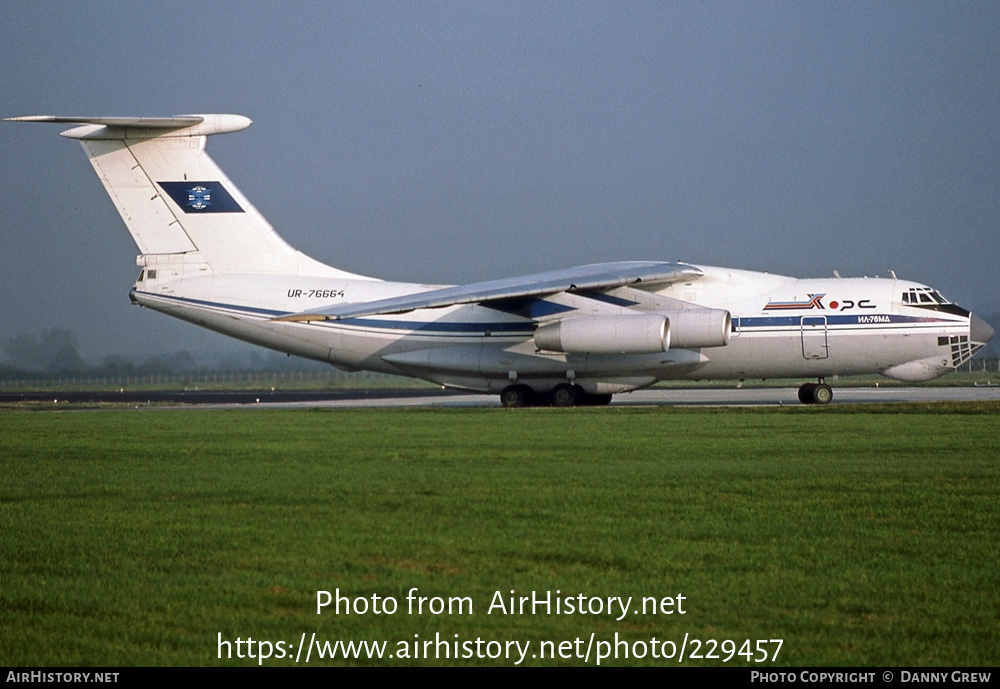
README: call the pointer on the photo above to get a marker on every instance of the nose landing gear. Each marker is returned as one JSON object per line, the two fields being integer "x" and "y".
{"x": 815, "y": 393}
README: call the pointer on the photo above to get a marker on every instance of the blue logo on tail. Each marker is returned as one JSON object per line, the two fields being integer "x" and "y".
{"x": 201, "y": 197}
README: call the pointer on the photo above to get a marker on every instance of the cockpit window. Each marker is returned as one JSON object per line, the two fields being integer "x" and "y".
{"x": 923, "y": 295}
{"x": 927, "y": 298}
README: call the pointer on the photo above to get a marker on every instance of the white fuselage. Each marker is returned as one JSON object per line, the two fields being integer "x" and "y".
{"x": 781, "y": 327}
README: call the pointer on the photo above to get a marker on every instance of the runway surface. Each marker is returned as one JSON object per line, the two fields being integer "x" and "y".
{"x": 685, "y": 397}
{"x": 361, "y": 399}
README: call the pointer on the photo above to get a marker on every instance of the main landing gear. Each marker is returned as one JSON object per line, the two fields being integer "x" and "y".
{"x": 815, "y": 393}
{"x": 564, "y": 395}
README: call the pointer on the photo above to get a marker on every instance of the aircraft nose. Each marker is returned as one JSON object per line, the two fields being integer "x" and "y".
{"x": 979, "y": 330}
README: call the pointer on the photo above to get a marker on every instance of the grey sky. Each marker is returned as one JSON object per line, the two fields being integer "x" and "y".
{"x": 453, "y": 142}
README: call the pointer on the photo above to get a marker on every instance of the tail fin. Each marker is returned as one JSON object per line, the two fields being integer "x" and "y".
{"x": 180, "y": 208}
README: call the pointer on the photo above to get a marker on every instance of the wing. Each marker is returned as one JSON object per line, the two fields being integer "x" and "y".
{"x": 599, "y": 276}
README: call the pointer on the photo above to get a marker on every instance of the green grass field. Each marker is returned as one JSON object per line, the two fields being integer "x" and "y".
{"x": 857, "y": 535}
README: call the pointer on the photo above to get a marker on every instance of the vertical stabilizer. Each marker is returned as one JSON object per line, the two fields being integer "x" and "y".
{"x": 180, "y": 208}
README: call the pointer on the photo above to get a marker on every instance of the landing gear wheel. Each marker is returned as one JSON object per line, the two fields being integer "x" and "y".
{"x": 516, "y": 396}
{"x": 822, "y": 394}
{"x": 806, "y": 393}
{"x": 566, "y": 395}
{"x": 815, "y": 393}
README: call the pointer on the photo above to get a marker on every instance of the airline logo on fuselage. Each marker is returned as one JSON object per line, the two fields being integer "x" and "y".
{"x": 815, "y": 302}
{"x": 201, "y": 197}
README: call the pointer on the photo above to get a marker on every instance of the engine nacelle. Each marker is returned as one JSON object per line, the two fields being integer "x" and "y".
{"x": 646, "y": 333}
{"x": 638, "y": 334}
{"x": 696, "y": 328}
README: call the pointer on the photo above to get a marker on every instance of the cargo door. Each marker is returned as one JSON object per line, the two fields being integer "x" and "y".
{"x": 814, "y": 338}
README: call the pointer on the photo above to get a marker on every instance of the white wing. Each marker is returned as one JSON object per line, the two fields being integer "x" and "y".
{"x": 599, "y": 276}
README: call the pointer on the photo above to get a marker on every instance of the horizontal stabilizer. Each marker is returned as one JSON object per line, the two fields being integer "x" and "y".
{"x": 592, "y": 277}
{"x": 154, "y": 122}
{"x": 120, "y": 128}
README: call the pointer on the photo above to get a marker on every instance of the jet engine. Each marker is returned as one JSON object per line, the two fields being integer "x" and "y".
{"x": 695, "y": 328}
{"x": 636, "y": 334}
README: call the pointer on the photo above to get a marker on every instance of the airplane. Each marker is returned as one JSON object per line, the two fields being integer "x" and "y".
{"x": 568, "y": 337}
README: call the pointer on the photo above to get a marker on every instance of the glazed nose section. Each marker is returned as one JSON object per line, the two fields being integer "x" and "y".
{"x": 979, "y": 330}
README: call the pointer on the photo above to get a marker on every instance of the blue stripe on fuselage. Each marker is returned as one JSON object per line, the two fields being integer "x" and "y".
{"x": 874, "y": 319}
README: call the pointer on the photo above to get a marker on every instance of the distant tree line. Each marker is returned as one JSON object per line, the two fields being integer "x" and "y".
{"x": 56, "y": 352}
